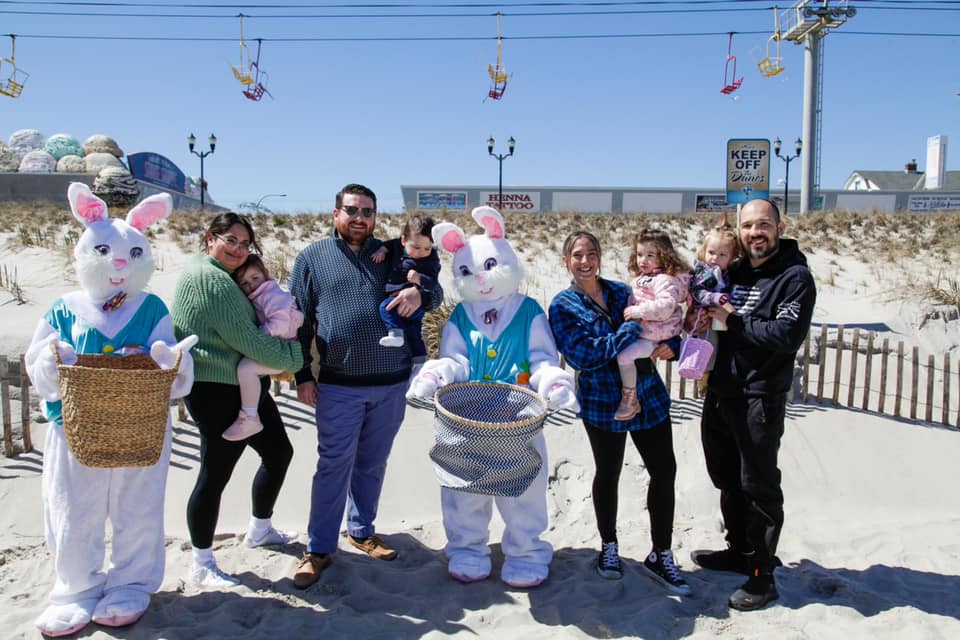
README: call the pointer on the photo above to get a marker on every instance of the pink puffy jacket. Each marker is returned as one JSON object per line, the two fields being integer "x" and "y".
{"x": 276, "y": 310}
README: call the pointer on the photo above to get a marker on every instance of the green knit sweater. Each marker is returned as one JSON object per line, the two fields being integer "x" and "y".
{"x": 208, "y": 303}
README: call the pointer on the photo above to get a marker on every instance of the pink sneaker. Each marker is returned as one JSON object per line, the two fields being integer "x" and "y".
{"x": 243, "y": 427}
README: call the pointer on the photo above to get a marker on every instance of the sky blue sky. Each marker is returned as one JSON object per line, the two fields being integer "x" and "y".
{"x": 586, "y": 111}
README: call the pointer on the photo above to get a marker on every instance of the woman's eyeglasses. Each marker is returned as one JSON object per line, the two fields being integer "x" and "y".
{"x": 351, "y": 211}
{"x": 233, "y": 243}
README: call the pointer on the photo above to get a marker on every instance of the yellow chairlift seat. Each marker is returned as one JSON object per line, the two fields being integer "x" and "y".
{"x": 771, "y": 66}
{"x": 12, "y": 84}
{"x": 243, "y": 73}
{"x": 498, "y": 74}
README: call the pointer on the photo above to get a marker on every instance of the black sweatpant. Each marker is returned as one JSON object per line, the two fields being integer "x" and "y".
{"x": 656, "y": 449}
{"x": 741, "y": 440}
{"x": 214, "y": 407}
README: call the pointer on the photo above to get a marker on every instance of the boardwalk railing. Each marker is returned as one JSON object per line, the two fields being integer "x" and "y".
{"x": 840, "y": 367}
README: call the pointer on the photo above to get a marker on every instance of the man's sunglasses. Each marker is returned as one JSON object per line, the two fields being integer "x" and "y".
{"x": 351, "y": 211}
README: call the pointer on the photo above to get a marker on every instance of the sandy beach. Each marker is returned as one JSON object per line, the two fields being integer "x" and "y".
{"x": 871, "y": 542}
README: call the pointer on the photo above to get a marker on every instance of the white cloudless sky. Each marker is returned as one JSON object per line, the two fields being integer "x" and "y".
{"x": 607, "y": 94}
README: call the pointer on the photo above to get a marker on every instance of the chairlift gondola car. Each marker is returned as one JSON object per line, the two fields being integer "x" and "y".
{"x": 259, "y": 85}
{"x": 730, "y": 81}
{"x": 767, "y": 66}
{"x": 498, "y": 74}
{"x": 242, "y": 72}
{"x": 12, "y": 84}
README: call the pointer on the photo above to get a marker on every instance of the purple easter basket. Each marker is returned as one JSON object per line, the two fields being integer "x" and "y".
{"x": 694, "y": 358}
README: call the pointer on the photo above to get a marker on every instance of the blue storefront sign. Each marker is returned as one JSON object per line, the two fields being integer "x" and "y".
{"x": 158, "y": 170}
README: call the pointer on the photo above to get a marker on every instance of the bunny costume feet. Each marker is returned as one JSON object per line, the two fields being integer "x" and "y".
{"x": 65, "y": 619}
{"x": 523, "y": 575}
{"x": 121, "y": 607}
{"x": 467, "y": 567}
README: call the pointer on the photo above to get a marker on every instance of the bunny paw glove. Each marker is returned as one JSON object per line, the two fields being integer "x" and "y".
{"x": 166, "y": 358}
{"x": 433, "y": 375}
{"x": 46, "y": 377}
{"x": 561, "y": 396}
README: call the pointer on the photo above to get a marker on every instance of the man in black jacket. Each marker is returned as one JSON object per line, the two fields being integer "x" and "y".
{"x": 767, "y": 317}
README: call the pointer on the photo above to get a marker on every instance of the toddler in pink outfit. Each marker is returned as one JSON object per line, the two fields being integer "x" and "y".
{"x": 660, "y": 285}
{"x": 277, "y": 315}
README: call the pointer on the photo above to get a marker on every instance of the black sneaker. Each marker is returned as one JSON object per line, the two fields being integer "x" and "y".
{"x": 725, "y": 560}
{"x": 661, "y": 567}
{"x": 755, "y": 593}
{"x": 608, "y": 564}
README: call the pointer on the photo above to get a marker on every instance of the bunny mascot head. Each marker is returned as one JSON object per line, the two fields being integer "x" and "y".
{"x": 110, "y": 314}
{"x": 495, "y": 334}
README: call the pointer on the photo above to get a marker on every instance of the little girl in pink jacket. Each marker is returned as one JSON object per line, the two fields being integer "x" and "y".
{"x": 278, "y": 315}
{"x": 660, "y": 285}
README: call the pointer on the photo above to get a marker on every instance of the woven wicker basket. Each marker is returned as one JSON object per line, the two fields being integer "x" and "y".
{"x": 484, "y": 437}
{"x": 115, "y": 409}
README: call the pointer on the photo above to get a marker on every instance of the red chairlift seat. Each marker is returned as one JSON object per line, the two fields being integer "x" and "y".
{"x": 730, "y": 81}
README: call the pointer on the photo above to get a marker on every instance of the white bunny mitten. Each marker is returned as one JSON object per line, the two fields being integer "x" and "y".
{"x": 433, "y": 375}
{"x": 166, "y": 357}
{"x": 555, "y": 385}
{"x": 42, "y": 365}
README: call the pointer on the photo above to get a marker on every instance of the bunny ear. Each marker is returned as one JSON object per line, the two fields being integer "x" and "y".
{"x": 449, "y": 236}
{"x": 86, "y": 207}
{"x": 491, "y": 220}
{"x": 150, "y": 210}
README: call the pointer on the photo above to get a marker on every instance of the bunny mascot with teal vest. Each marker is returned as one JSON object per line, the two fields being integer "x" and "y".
{"x": 496, "y": 334}
{"x": 110, "y": 314}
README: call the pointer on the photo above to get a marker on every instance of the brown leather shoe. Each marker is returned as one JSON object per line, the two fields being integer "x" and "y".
{"x": 309, "y": 569}
{"x": 374, "y": 547}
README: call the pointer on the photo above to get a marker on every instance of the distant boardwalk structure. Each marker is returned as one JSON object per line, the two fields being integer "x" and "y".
{"x": 548, "y": 199}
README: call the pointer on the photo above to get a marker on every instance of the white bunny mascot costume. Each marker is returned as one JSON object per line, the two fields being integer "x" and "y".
{"x": 110, "y": 314}
{"x": 492, "y": 336}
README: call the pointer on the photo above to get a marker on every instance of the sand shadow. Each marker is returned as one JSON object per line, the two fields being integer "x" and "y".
{"x": 634, "y": 606}
{"x": 869, "y": 591}
{"x": 21, "y": 465}
{"x": 406, "y": 588}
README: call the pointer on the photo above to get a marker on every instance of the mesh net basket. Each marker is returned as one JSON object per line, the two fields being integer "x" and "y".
{"x": 115, "y": 408}
{"x": 484, "y": 437}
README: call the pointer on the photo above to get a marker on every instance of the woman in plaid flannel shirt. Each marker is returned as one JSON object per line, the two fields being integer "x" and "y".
{"x": 589, "y": 329}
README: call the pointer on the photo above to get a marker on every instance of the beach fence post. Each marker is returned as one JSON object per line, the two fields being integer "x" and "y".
{"x": 931, "y": 375}
{"x": 854, "y": 356}
{"x": 884, "y": 354}
{"x": 899, "y": 386}
{"x": 945, "y": 419}
{"x": 805, "y": 379}
{"x": 823, "y": 362}
{"x": 25, "y": 405}
{"x": 867, "y": 371}
{"x": 915, "y": 381}
{"x": 836, "y": 368}
{"x": 8, "y": 449}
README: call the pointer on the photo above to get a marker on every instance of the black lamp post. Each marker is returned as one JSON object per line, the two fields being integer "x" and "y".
{"x": 191, "y": 141}
{"x": 787, "y": 159}
{"x": 511, "y": 143}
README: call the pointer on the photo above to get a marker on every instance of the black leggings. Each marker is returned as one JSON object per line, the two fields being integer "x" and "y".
{"x": 214, "y": 407}
{"x": 656, "y": 449}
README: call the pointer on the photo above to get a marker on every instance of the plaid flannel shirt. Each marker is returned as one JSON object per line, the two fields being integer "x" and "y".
{"x": 590, "y": 341}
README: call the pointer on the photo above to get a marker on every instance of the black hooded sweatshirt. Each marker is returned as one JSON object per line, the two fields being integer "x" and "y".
{"x": 774, "y": 304}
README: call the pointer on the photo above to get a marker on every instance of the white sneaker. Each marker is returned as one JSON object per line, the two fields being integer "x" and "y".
{"x": 271, "y": 537}
{"x": 392, "y": 340}
{"x": 211, "y": 577}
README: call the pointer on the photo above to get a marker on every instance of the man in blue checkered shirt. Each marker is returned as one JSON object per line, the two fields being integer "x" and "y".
{"x": 589, "y": 329}
{"x": 358, "y": 393}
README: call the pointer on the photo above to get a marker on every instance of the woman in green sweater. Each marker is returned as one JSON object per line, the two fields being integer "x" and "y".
{"x": 208, "y": 303}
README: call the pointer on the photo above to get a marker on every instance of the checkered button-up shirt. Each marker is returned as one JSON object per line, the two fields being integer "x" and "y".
{"x": 590, "y": 340}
